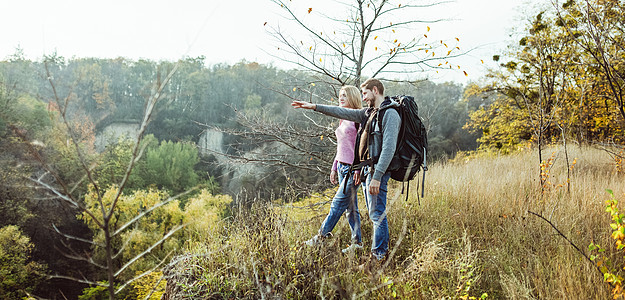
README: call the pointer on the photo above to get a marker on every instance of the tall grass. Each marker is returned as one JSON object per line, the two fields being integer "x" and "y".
{"x": 470, "y": 236}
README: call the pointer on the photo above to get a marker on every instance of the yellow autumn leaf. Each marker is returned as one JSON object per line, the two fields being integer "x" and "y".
{"x": 393, "y": 30}
{"x": 465, "y": 73}
{"x": 395, "y": 41}
{"x": 375, "y": 38}
{"x": 312, "y": 83}
{"x": 399, "y": 5}
{"x": 457, "y": 39}
{"x": 310, "y": 48}
{"x": 376, "y": 48}
{"x": 426, "y": 50}
{"x": 320, "y": 59}
{"x": 343, "y": 45}
{"x": 294, "y": 89}
{"x": 482, "y": 60}
{"x": 425, "y": 35}
{"x": 309, "y": 10}
{"x": 448, "y": 52}
{"x": 321, "y": 137}
{"x": 428, "y": 28}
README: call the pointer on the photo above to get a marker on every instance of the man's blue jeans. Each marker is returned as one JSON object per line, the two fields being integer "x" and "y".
{"x": 377, "y": 213}
{"x": 342, "y": 202}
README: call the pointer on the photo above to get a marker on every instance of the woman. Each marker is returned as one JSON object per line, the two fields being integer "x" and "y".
{"x": 349, "y": 97}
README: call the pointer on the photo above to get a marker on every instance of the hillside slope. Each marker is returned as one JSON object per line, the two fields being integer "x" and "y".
{"x": 471, "y": 236}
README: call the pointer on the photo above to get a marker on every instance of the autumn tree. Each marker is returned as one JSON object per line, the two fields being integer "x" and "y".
{"x": 597, "y": 28}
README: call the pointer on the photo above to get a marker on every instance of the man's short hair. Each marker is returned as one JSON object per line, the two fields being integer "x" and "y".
{"x": 372, "y": 82}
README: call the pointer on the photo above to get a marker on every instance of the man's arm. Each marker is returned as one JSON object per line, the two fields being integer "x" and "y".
{"x": 390, "y": 131}
{"x": 350, "y": 114}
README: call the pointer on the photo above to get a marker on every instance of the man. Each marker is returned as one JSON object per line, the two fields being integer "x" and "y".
{"x": 378, "y": 139}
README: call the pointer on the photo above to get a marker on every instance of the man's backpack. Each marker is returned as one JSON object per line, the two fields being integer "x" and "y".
{"x": 412, "y": 141}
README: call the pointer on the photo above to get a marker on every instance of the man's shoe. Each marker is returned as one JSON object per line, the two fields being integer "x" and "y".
{"x": 352, "y": 248}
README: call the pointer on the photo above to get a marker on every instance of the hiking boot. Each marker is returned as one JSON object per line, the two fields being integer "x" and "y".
{"x": 352, "y": 248}
{"x": 317, "y": 240}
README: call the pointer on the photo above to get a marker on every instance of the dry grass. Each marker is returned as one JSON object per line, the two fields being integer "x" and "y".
{"x": 472, "y": 234}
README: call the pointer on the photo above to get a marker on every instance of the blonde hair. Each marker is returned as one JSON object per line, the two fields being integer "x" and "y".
{"x": 354, "y": 100}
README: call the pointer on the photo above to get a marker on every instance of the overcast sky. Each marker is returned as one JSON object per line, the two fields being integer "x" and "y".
{"x": 223, "y": 31}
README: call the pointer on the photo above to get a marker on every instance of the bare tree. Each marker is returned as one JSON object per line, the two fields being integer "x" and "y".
{"x": 103, "y": 215}
{"x": 382, "y": 39}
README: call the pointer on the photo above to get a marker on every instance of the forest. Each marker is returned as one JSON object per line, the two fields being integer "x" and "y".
{"x": 217, "y": 180}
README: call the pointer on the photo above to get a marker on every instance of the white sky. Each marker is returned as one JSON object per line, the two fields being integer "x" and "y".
{"x": 223, "y": 31}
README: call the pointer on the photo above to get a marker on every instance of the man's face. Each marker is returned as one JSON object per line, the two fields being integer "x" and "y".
{"x": 368, "y": 96}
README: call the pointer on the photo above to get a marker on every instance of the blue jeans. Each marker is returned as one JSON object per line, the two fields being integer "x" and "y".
{"x": 342, "y": 202}
{"x": 377, "y": 213}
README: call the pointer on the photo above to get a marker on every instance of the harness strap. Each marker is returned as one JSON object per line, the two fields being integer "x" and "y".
{"x": 369, "y": 162}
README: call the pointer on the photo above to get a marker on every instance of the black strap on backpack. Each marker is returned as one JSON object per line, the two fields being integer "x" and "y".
{"x": 357, "y": 164}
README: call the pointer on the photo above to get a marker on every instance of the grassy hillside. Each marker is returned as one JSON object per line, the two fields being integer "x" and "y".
{"x": 471, "y": 236}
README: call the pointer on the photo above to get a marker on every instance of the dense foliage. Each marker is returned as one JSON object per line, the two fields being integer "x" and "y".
{"x": 563, "y": 80}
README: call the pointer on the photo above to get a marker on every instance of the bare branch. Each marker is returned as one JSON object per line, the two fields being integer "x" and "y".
{"x": 84, "y": 280}
{"x": 139, "y": 216}
{"x": 79, "y": 257}
{"x": 157, "y": 266}
{"x": 76, "y": 238}
{"x": 140, "y": 255}
{"x": 74, "y": 139}
{"x": 138, "y": 149}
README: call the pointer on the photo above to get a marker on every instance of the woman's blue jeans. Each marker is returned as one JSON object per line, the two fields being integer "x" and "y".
{"x": 377, "y": 213}
{"x": 342, "y": 202}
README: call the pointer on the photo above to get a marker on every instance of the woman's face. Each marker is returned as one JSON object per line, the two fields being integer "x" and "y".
{"x": 343, "y": 99}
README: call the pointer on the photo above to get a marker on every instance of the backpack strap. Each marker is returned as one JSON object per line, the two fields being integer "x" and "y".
{"x": 357, "y": 164}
